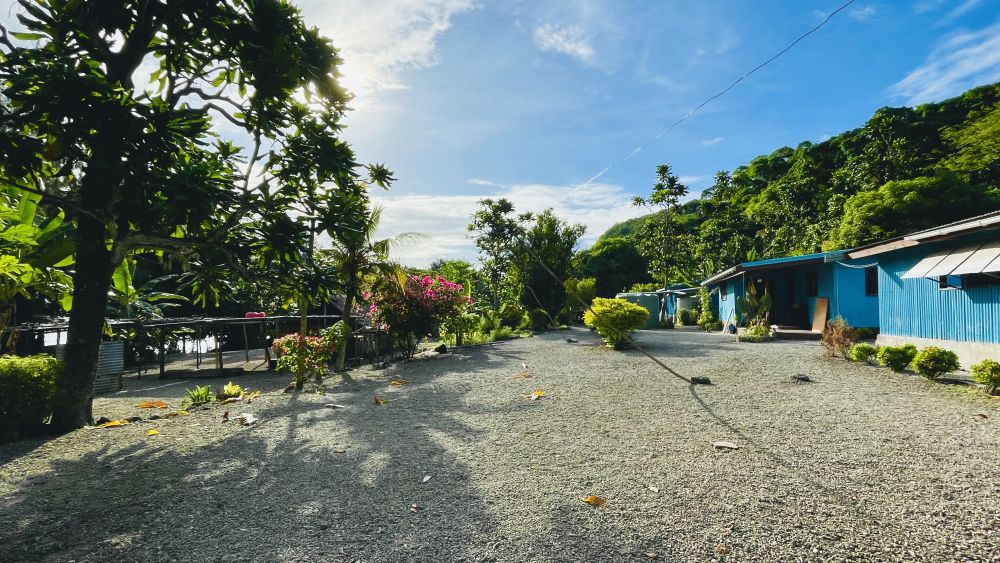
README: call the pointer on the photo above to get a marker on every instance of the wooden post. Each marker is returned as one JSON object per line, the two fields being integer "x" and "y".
{"x": 246, "y": 344}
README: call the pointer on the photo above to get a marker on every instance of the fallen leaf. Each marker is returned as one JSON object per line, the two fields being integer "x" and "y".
{"x": 231, "y": 400}
{"x": 151, "y": 432}
{"x": 398, "y": 382}
{"x": 245, "y": 419}
{"x": 593, "y": 500}
{"x": 537, "y": 394}
{"x": 982, "y": 416}
{"x": 722, "y": 549}
{"x": 175, "y": 414}
{"x": 250, "y": 396}
{"x": 654, "y": 488}
{"x": 379, "y": 401}
{"x": 113, "y": 424}
{"x": 725, "y": 446}
{"x": 225, "y": 416}
{"x": 426, "y": 478}
{"x": 523, "y": 375}
{"x": 652, "y": 555}
{"x": 414, "y": 507}
{"x": 157, "y": 404}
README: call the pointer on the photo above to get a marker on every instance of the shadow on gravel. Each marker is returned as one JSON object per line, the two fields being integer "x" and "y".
{"x": 306, "y": 484}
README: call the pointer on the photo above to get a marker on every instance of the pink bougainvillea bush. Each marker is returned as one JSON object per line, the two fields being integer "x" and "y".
{"x": 304, "y": 355}
{"x": 416, "y": 309}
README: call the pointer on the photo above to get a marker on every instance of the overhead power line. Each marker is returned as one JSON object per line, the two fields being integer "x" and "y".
{"x": 722, "y": 92}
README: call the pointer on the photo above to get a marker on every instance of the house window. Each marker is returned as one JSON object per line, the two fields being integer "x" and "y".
{"x": 871, "y": 280}
{"x": 812, "y": 284}
{"x": 723, "y": 290}
{"x": 949, "y": 282}
{"x": 980, "y": 280}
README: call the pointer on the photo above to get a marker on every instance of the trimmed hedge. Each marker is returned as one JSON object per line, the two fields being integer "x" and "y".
{"x": 896, "y": 358}
{"x": 26, "y": 389}
{"x": 987, "y": 373}
{"x": 613, "y": 319}
{"x": 864, "y": 353}
{"x": 932, "y": 362}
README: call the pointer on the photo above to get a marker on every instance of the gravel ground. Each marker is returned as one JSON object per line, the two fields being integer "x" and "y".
{"x": 860, "y": 465}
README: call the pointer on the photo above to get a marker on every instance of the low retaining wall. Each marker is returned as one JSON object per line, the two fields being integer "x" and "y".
{"x": 968, "y": 352}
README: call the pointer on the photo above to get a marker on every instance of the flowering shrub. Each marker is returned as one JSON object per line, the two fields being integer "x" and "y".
{"x": 304, "y": 355}
{"x": 416, "y": 309}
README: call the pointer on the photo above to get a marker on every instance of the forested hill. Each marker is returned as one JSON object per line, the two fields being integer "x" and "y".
{"x": 904, "y": 170}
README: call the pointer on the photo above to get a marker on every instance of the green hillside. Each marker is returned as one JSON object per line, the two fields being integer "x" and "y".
{"x": 904, "y": 170}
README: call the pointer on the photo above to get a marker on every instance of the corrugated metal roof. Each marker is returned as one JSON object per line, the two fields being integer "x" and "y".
{"x": 828, "y": 256}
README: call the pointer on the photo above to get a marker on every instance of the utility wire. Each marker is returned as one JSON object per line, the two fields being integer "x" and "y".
{"x": 722, "y": 92}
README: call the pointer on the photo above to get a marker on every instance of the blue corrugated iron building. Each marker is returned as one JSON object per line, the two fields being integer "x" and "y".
{"x": 797, "y": 283}
{"x": 941, "y": 287}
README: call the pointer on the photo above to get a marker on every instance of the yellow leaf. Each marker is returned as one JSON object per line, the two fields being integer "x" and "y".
{"x": 151, "y": 432}
{"x": 379, "y": 401}
{"x": 158, "y": 404}
{"x": 593, "y": 500}
{"x": 537, "y": 394}
{"x": 113, "y": 424}
{"x": 249, "y": 396}
{"x": 398, "y": 382}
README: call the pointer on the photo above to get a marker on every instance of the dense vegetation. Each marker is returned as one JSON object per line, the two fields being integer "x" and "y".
{"x": 904, "y": 170}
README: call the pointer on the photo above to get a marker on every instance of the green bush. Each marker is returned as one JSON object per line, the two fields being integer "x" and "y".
{"x": 685, "y": 317}
{"x": 539, "y": 320}
{"x": 896, "y": 358}
{"x": 706, "y": 319}
{"x": 198, "y": 396}
{"x": 864, "y": 353}
{"x": 755, "y": 338}
{"x": 503, "y": 333}
{"x": 865, "y": 333}
{"x": 511, "y": 315}
{"x": 643, "y": 287}
{"x": 26, "y": 389}
{"x": 932, "y": 362}
{"x": 987, "y": 373}
{"x": 614, "y": 319}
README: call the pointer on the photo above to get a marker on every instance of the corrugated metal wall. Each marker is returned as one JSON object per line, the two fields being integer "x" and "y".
{"x": 916, "y": 307}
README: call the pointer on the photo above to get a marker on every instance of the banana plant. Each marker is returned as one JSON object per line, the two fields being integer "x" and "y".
{"x": 754, "y": 308}
{"x": 125, "y": 300}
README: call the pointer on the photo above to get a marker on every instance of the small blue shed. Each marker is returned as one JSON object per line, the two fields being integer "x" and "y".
{"x": 941, "y": 287}
{"x": 797, "y": 284}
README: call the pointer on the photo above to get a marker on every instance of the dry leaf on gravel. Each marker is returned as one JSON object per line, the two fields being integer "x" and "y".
{"x": 523, "y": 375}
{"x": 722, "y": 549}
{"x": 652, "y": 555}
{"x": 245, "y": 419}
{"x": 398, "y": 382}
{"x": 426, "y": 478}
{"x": 379, "y": 401}
{"x": 536, "y": 394}
{"x": 152, "y": 405}
{"x": 593, "y": 500}
{"x": 232, "y": 400}
{"x": 654, "y": 488}
{"x": 725, "y": 446}
{"x": 152, "y": 432}
{"x": 113, "y": 424}
{"x": 414, "y": 507}
{"x": 175, "y": 414}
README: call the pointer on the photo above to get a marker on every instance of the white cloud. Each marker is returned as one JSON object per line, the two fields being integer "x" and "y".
{"x": 863, "y": 13}
{"x": 443, "y": 218}
{"x": 712, "y": 141}
{"x": 965, "y": 60}
{"x": 379, "y": 39}
{"x": 481, "y": 182}
{"x": 565, "y": 39}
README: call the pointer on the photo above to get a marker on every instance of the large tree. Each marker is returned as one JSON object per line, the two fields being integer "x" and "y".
{"x": 546, "y": 248}
{"x": 496, "y": 229}
{"x": 110, "y": 111}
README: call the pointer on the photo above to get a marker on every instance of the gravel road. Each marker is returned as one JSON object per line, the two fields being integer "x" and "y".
{"x": 859, "y": 465}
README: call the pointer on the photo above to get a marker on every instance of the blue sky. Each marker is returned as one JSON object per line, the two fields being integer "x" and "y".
{"x": 530, "y": 99}
{"x": 466, "y": 99}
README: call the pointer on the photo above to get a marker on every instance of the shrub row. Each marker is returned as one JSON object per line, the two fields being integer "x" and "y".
{"x": 26, "y": 389}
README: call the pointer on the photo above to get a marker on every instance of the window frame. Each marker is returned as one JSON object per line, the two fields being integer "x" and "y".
{"x": 871, "y": 281}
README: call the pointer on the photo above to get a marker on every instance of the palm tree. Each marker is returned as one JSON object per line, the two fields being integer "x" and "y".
{"x": 360, "y": 256}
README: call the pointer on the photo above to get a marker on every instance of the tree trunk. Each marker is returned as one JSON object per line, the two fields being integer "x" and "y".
{"x": 75, "y": 388}
{"x": 303, "y": 317}
{"x": 346, "y": 317}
